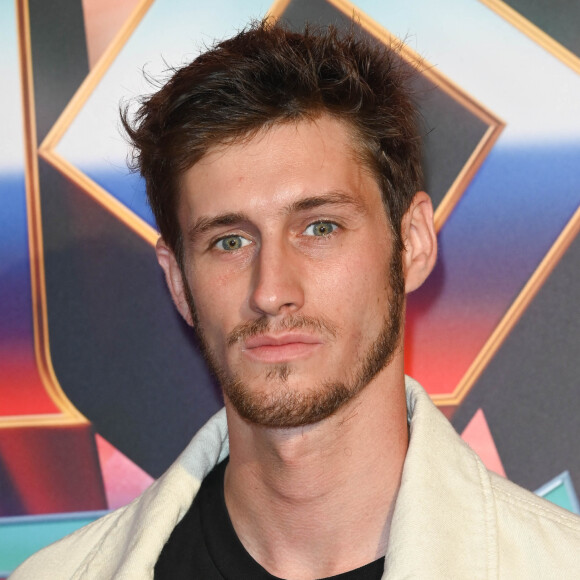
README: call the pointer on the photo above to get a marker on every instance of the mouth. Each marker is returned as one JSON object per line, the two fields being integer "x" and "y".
{"x": 282, "y": 348}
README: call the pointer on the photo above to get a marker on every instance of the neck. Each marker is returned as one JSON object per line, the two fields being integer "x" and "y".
{"x": 317, "y": 501}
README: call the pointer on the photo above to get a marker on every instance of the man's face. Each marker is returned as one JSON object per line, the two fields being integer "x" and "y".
{"x": 289, "y": 271}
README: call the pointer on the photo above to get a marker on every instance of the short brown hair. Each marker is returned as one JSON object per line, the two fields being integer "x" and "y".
{"x": 269, "y": 74}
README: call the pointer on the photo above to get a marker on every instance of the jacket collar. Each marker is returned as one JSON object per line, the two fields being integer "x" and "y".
{"x": 134, "y": 536}
{"x": 444, "y": 522}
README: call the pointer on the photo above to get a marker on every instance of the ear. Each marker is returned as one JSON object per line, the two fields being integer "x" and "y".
{"x": 174, "y": 279}
{"x": 420, "y": 241}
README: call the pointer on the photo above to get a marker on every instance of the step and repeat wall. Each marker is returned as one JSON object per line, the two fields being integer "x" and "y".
{"x": 102, "y": 384}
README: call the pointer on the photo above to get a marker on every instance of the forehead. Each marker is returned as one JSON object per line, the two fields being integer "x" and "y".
{"x": 276, "y": 166}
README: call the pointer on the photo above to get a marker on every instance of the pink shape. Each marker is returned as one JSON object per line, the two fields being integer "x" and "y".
{"x": 103, "y": 20}
{"x": 478, "y": 436}
{"x": 123, "y": 479}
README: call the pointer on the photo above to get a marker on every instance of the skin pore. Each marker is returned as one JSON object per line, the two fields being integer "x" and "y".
{"x": 290, "y": 278}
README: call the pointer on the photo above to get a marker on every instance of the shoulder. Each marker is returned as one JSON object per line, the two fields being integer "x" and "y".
{"x": 122, "y": 544}
{"x": 503, "y": 529}
{"x": 533, "y": 534}
{"x": 127, "y": 542}
{"x": 508, "y": 494}
{"x": 519, "y": 505}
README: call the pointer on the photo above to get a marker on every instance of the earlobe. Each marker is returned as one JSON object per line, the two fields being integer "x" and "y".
{"x": 420, "y": 241}
{"x": 174, "y": 279}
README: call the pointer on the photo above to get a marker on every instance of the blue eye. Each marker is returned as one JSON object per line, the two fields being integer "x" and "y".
{"x": 231, "y": 243}
{"x": 320, "y": 229}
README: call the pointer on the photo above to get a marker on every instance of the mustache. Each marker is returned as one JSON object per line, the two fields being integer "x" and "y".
{"x": 264, "y": 325}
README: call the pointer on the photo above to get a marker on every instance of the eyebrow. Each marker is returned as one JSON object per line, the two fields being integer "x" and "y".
{"x": 205, "y": 224}
{"x": 329, "y": 198}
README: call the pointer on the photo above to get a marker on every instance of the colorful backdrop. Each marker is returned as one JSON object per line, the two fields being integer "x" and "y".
{"x": 101, "y": 383}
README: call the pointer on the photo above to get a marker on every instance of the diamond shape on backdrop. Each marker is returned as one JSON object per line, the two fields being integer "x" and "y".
{"x": 132, "y": 190}
{"x": 451, "y": 157}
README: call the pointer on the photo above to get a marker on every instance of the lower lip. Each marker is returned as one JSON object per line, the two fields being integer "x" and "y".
{"x": 281, "y": 352}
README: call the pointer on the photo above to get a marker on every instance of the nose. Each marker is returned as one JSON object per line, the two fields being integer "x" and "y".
{"x": 277, "y": 281}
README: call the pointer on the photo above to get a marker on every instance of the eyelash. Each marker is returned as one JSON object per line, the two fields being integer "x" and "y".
{"x": 215, "y": 243}
{"x": 334, "y": 225}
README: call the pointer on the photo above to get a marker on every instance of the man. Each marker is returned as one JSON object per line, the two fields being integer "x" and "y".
{"x": 284, "y": 174}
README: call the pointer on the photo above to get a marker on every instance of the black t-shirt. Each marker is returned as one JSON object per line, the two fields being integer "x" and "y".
{"x": 204, "y": 544}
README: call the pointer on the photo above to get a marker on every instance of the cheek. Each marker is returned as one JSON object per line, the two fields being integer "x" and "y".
{"x": 210, "y": 286}
{"x": 219, "y": 300}
{"x": 354, "y": 290}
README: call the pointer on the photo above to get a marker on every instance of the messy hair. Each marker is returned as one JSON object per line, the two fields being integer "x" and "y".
{"x": 268, "y": 74}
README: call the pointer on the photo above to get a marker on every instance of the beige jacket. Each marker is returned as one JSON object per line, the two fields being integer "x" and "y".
{"x": 453, "y": 519}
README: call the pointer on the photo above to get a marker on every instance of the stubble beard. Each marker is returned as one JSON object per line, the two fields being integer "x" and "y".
{"x": 283, "y": 407}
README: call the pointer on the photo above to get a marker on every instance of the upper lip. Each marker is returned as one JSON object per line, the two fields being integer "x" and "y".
{"x": 279, "y": 340}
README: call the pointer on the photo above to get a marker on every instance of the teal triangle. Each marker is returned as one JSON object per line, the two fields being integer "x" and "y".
{"x": 560, "y": 491}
